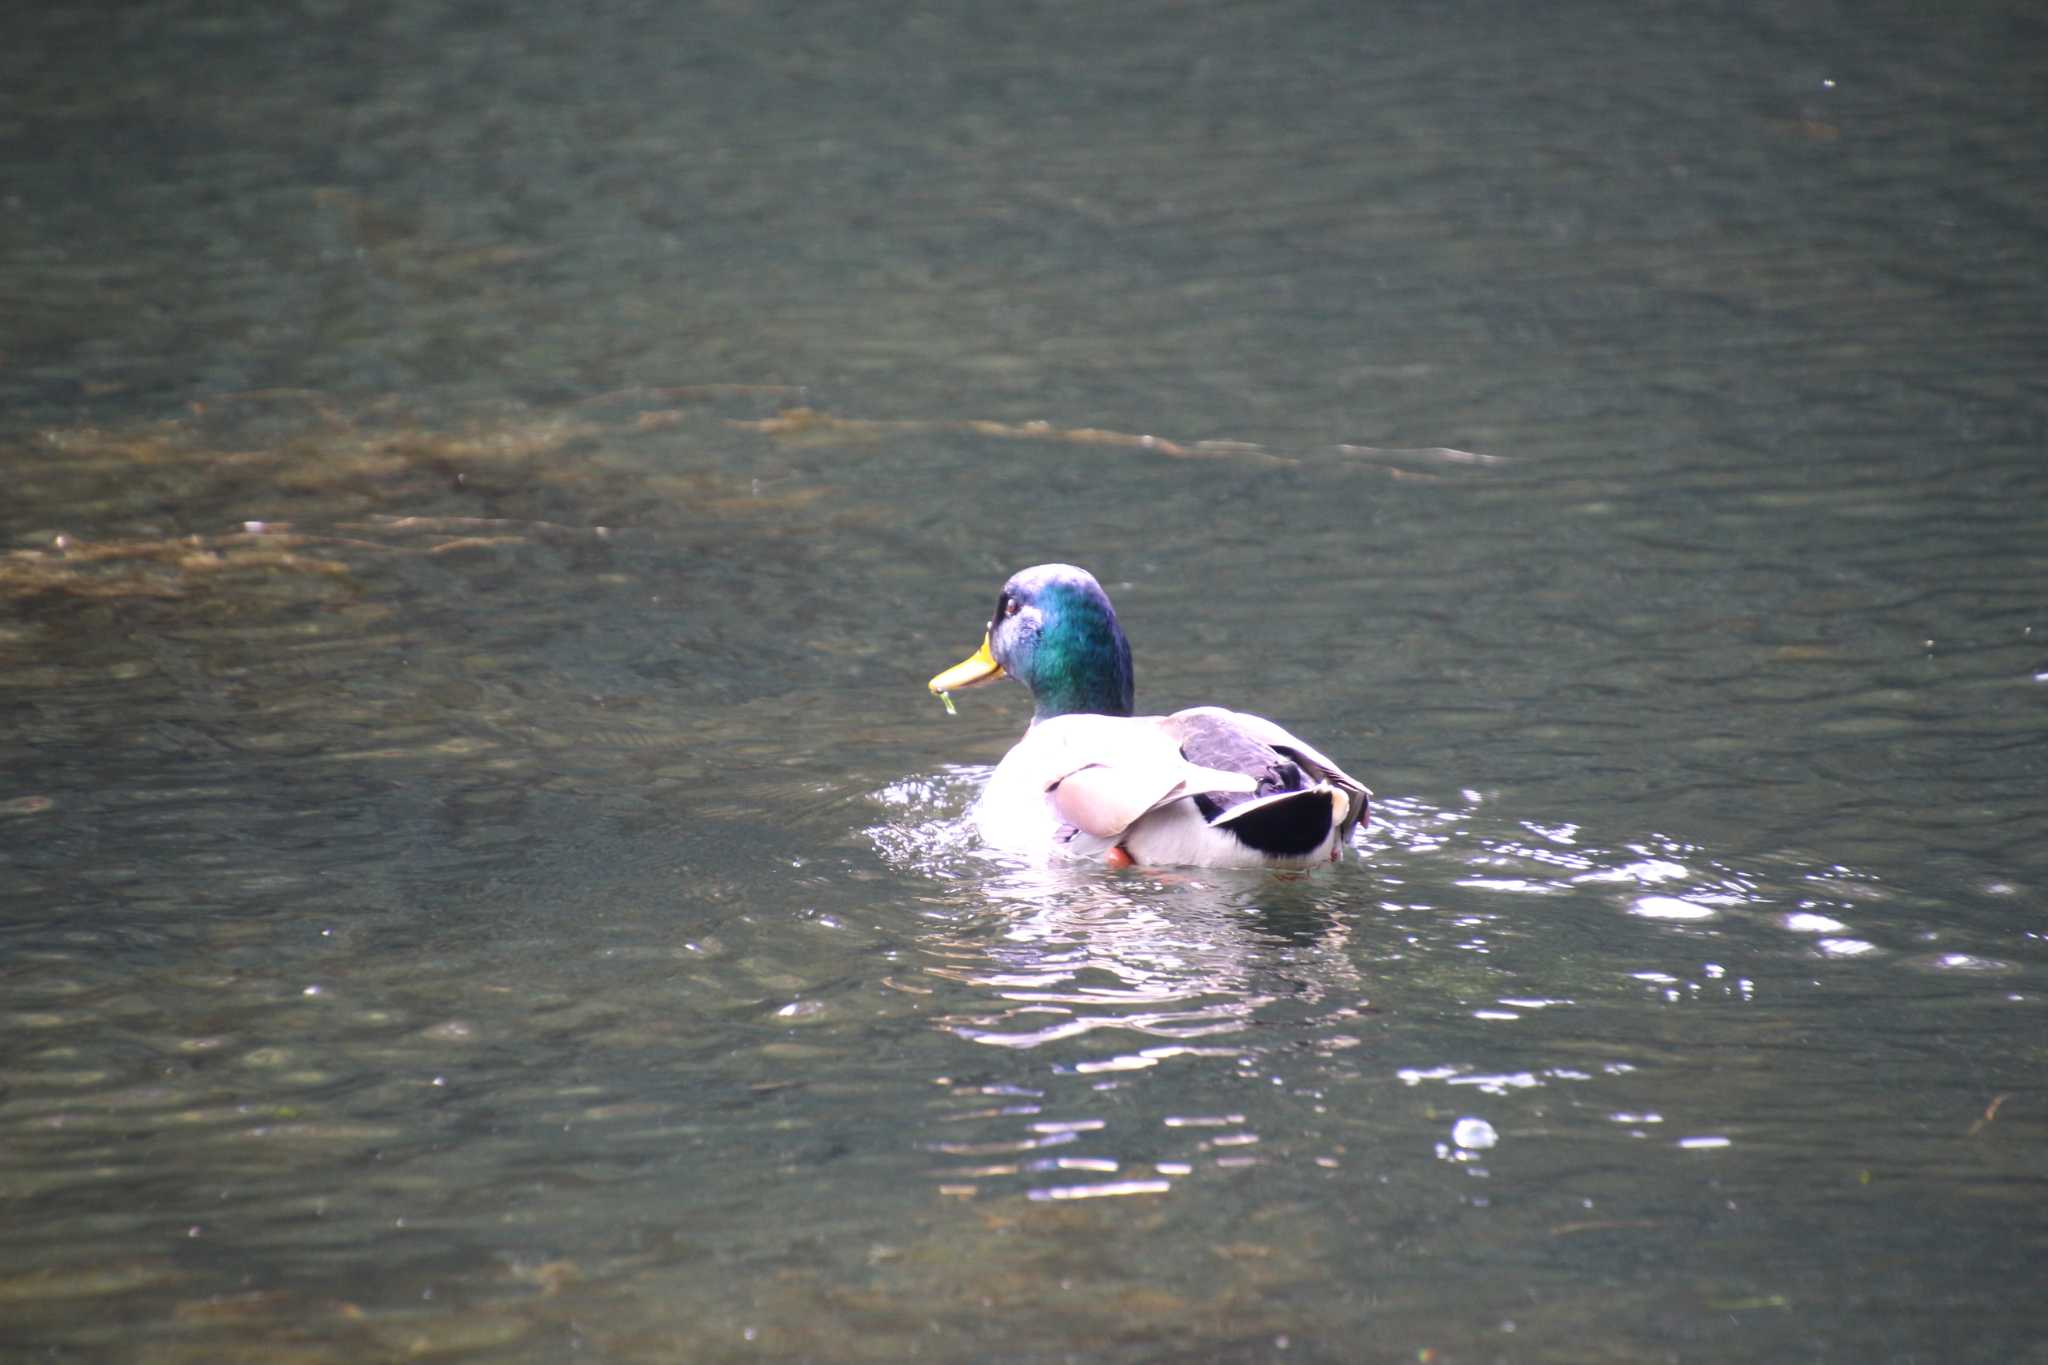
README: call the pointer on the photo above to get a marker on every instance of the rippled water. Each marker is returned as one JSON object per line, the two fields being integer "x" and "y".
{"x": 481, "y": 877}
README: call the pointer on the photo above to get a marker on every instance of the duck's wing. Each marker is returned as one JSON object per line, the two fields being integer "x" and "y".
{"x": 1105, "y": 800}
{"x": 1279, "y": 761}
{"x": 1102, "y": 774}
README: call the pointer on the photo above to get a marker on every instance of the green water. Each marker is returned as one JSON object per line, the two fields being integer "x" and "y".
{"x": 480, "y": 875}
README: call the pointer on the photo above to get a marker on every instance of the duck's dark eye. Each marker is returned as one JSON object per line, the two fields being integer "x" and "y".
{"x": 1011, "y": 606}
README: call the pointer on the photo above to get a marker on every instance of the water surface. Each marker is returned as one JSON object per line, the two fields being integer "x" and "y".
{"x": 482, "y": 877}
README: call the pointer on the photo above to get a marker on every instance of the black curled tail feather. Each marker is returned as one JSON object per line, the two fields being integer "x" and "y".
{"x": 1286, "y": 825}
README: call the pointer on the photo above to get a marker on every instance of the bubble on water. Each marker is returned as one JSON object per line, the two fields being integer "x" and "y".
{"x": 1474, "y": 1134}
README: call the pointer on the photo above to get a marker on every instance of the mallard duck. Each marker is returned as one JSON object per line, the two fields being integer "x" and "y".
{"x": 1203, "y": 787}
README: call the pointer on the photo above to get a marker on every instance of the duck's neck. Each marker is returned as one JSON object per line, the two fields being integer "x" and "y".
{"x": 1082, "y": 671}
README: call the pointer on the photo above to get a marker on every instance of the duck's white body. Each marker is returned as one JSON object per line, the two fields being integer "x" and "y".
{"x": 1094, "y": 787}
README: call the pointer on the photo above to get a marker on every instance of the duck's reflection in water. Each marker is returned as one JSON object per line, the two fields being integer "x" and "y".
{"x": 1134, "y": 1004}
{"x": 1174, "y": 959}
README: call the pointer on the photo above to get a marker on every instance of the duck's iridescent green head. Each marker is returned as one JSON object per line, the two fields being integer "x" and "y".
{"x": 1055, "y": 632}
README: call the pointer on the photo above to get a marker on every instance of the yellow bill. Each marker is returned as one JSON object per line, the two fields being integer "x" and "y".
{"x": 978, "y": 667}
